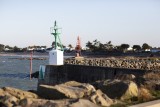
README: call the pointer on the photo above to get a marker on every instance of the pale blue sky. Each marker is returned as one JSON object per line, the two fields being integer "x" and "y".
{"x": 28, "y": 22}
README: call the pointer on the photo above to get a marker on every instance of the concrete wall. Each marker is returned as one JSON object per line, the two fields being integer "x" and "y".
{"x": 88, "y": 74}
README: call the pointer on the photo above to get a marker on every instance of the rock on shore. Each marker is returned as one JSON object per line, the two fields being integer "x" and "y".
{"x": 76, "y": 90}
{"x": 147, "y": 63}
{"x": 75, "y": 94}
{"x": 118, "y": 89}
{"x": 12, "y": 97}
{"x": 69, "y": 94}
{"x": 57, "y": 103}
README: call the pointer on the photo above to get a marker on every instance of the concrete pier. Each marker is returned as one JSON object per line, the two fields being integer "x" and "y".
{"x": 84, "y": 74}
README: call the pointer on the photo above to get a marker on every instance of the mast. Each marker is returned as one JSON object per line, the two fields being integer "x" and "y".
{"x": 54, "y": 31}
{"x": 56, "y": 54}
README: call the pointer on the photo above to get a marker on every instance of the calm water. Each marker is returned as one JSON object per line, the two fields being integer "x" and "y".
{"x": 15, "y": 72}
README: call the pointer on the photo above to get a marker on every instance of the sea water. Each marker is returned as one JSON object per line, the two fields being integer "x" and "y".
{"x": 15, "y": 72}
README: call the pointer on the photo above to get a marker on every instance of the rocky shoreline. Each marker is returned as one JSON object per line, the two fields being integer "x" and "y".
{"x": 147, "y": 63}
{"x": 123, "y": 90}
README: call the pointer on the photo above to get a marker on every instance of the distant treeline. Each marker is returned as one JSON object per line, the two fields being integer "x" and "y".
{"x": 108, "y": 46}
{"x": 94, "y": 46}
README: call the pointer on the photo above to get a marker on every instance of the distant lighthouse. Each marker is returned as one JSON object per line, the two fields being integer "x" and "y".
{"x": 56, "y": 54}
{"x": 78, "y": 47}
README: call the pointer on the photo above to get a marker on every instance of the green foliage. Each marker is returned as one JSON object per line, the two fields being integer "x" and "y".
{"x": 1, "y": 47}
{"x": 108, "y": 46}
{"x": 58, "y": 44}
{"x": 156, "y": 94}
{"x": 89, "y": 44}
{"x": 136, "y": 47}
{"x": 70, "y": 46}
{"x": 124, "y": 47}
{"x": 97, "y": 46}
{"x": 24, "y": 49}
{"x": 145, "y": 46}
{"x": 16, "y": 49}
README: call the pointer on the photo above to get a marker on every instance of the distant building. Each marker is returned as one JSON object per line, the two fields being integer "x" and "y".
{"x": 147, "y": 50}
{"x": 7, "y": 49}
{"x": 154, "y": 50}
{"x": 85, "y": 48}
{"x": 30, "y": 48}
{"x": 69, "y": 48}
{"x": 36, "y": 48}
{"x": 130, "y": 49}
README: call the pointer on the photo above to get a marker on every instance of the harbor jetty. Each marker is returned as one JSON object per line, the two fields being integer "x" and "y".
{"x": 117, "y": 78}
{"x": 144, "y": 63}
{"x": 88, "y": 82}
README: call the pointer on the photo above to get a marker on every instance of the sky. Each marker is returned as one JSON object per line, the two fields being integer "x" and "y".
{"x": 27, "y": 22}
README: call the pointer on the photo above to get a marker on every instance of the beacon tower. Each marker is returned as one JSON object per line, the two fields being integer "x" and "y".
{"x": 56, "y": 54}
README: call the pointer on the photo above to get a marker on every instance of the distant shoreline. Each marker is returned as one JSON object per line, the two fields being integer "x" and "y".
{"x": 35, "y": 54}
{"x": 90, "y": 55}
{"x": 23, "y": 53}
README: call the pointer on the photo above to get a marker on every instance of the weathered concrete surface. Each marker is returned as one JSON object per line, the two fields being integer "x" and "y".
{"x": 84, "y": 74}
{"x": 155, "y": 103}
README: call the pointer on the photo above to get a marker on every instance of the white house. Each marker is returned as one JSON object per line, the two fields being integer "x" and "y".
{"x": 6, "y": 49}
{"x": 129, "y": 49}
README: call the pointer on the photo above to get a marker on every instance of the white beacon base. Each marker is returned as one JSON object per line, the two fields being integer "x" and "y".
{"x": 55, "y": 57}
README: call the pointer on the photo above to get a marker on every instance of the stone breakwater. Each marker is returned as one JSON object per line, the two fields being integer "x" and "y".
{"x": 148, "y": 63}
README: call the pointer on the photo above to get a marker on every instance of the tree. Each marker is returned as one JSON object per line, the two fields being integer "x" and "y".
{"x": 101, "y": 47}
{"x": 136, "y": 47}
{"x": 93, "y": 46}
{"x": 1, "y": 47}
{"x": 53, "y": 44}
{"x": 97, "y": 46}
{"x": 124, "y": 47}
{"x": 96, "y": 43}
{"x": 24, "y": 49}
{"x": 89, "y": 45}
{"x": 44, "y": 47}
{"x": 118, "y": 48}
{"x": 16, "y": 49}
{"x": 70, "y": 47}
{"x": 108, "y": 46}
{"x": 145, "y": 46}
